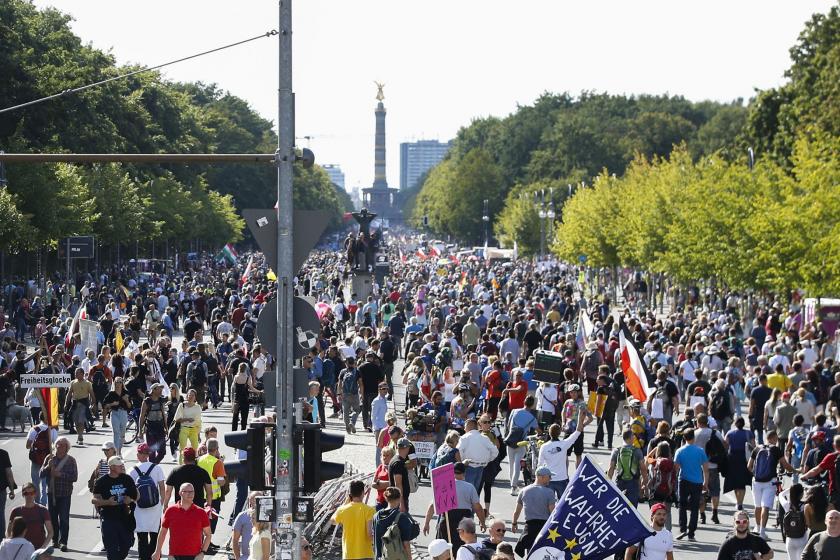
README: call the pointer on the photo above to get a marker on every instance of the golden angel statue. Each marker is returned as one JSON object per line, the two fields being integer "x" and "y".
{"x": 379, "y": 95}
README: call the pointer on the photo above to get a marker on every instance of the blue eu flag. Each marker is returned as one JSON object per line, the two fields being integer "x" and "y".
{"x": 592, "y": 520}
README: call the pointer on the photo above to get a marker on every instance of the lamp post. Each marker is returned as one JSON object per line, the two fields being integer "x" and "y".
{"x": 485, "y": 217}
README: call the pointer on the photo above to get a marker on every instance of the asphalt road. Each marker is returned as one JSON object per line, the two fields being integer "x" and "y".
{"x": 85, "y": 538}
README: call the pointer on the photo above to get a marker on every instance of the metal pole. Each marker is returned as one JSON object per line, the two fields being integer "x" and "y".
{"x": 285, "y": 486}
{"x": 67, "y": 283}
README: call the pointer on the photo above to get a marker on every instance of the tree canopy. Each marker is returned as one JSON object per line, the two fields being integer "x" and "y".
{"x": 40, "y": 56}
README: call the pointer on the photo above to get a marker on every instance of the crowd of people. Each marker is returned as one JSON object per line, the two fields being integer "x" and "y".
{"x": 733, "y": 402}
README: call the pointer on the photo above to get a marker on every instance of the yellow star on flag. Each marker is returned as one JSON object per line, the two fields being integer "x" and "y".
{"x": 553, "y": 535}
{"x": 576, "y": 556}
{"x": 570, "y": 544}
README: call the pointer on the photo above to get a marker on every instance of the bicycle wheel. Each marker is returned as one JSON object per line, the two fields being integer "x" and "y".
{"x": 130, "y": 430}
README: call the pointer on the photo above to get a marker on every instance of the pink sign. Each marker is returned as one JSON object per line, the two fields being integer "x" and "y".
{"x": 443, "y": 487}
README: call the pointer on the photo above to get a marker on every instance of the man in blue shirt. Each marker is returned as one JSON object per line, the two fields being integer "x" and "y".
{"x": 692, "y": 466}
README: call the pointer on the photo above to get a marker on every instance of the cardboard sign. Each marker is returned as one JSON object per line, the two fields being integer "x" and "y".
{"x": 443, "y": 488}
{"x": 424, "y": 449}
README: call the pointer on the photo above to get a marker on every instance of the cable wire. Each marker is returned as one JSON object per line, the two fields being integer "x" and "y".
{"x": 135, "y": 72}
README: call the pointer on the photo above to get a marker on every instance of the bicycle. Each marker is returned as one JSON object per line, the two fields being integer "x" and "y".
{"x": 132, "y": 427}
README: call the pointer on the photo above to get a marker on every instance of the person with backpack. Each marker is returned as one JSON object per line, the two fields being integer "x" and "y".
{"x": 763, "y": 463}
{"x": 348, "y": 383}
{"x": 794, "y": 528}
{"x": 662, "y": 479}
{"x": 39, "y": 443}
{"x": 356, "y": 520}
{"x": 797, "y": 442}
{"x": 831, "y": 465}
{"x": 626, "y": 469}
{"x": 520, "y": 424}
{"x": 722, "y": 405}
{"x": 196, "y": 376}
{"x": 149, "y": 479}
{"x": 713, "y": 444}
{"x": 612, "y": 390}
{"x": 590, "y": 363}
{"x": 692, "y": 474}
{"x": 393, "y": 530}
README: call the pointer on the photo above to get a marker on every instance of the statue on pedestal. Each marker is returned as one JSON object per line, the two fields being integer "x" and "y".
{"x": 361, "y": 250}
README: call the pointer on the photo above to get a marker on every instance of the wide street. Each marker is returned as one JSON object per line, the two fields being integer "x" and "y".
{"x": 85, "y": 539}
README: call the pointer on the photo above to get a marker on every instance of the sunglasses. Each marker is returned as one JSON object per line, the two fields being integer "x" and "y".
{"x": 500, "y": 530}
{"x": 742, "y": 521}
{"x": 29, "y": 493}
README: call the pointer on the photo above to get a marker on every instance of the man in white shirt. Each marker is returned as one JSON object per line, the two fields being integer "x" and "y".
{"x": 659, "y": 546}
{"x": 779, "y": 358}
{"x": 476, "y": 451}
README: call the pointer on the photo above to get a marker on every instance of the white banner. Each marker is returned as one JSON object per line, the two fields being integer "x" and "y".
{"x": 88, "y": 330}
{"x": 37, "y": 380}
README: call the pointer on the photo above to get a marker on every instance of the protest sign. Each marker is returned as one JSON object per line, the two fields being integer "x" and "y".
{"x": 443, "y": 488}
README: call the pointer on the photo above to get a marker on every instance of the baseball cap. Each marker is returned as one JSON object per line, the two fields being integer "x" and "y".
{"x": 543, "y": 471}
{"x": 108, "y": 445}
{"x": 189, "y": 453}
{"x": 143, "y": 448}
{"x": 115, "y": 461}
{"x": 438, "y": 547}
{"x": 402, "y": 443}
{"x": 657, "y": 507}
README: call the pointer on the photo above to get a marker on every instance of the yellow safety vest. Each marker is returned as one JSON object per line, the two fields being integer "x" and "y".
{"x": 208, "y": 463}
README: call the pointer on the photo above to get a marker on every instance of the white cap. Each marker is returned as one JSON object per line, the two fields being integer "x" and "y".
{"x": 438, "y": 547}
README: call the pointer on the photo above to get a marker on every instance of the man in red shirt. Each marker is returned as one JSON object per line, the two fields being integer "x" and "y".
{"x": 516, "y": 391}
{"x": 190, "y": 528}
{"x": 828, "y": 464}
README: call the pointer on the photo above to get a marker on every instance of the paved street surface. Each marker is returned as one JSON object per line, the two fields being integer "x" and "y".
{"x": 85, "y": 539}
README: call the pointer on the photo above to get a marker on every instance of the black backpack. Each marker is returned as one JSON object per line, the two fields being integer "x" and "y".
{"x": 715, "y": 450}
{"x": 793, "y": 524}
{"x": 719, "y": 406}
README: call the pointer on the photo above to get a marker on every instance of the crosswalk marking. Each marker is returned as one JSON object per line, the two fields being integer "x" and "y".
{"x": 95, "y": 552}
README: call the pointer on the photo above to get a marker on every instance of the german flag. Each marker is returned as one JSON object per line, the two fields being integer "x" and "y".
{"x": 49, "y": 398}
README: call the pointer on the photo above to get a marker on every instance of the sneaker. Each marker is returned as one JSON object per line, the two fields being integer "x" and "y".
{"x": 513, "y": 491}
{"x": 64, "y": 548}
{"x": 682, "y": 535}
{"x": 692, "y": 538}
{"x": 349, "y": 429}
{"x": 353, "y": 428}
{"x": 596, "y": 445}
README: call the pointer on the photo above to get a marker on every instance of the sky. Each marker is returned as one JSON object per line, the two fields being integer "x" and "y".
{"x": 447, "y": 62}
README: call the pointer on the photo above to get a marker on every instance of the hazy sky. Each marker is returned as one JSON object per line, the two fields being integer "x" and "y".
{"x": 447, "y": 62}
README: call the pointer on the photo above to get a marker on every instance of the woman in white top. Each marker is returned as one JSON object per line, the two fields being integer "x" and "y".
{"x": 546, "y": 396}
{"x": 188, "y": 416}
{"x": 17, "y": 547}
{"x": 449, "y": 386}
{"x": 260, "y": 539}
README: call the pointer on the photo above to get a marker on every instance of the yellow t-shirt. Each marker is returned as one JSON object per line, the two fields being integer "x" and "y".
{"x": 356, "y": 541}
{"x": 779, "y": 381}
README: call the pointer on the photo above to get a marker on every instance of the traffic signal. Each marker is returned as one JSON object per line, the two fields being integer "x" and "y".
{"x": 313, "y": 443}
{"x": 258, "y": 467}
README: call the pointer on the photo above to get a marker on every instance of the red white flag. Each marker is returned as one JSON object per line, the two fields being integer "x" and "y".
{"x": 635, "y": 373}
{"x": 420, "y": 254}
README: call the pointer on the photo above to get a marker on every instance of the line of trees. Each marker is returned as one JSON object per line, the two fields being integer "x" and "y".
{"x": 126, "y": 204}
{"x": 664, "y": 184}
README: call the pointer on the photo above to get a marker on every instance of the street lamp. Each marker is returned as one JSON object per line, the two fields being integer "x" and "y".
{"x": 486, "y": 219}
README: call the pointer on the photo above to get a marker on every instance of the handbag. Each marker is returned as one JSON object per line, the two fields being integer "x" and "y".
{"x": 514, "y": 436}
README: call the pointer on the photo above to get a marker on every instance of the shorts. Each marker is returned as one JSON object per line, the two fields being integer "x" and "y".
{"x": 764, "y": 493}
{"x": 714, "y": 484}
{"x": 577, "y": 446}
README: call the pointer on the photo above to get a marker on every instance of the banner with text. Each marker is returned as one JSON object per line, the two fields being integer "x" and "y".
{"x": 591, "y": 521}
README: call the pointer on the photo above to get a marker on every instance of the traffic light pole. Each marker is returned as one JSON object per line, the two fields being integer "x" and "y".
{"x": 288, "y": 533}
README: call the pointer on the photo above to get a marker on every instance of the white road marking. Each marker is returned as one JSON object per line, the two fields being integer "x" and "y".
{"x": 95, "y": 552}
{"x": 7, "y": 442}
{"x": 83, "y": 491}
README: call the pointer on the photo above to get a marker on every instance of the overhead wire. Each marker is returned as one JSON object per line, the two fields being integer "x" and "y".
{"x": 135, "y": 72}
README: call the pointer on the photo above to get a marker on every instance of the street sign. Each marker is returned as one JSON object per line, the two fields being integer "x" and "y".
{"x": 81, "y": 247}
{"x": 307, "y": 327}
{"x": 309, "y": 225}
{"x": 45, "y": 378}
